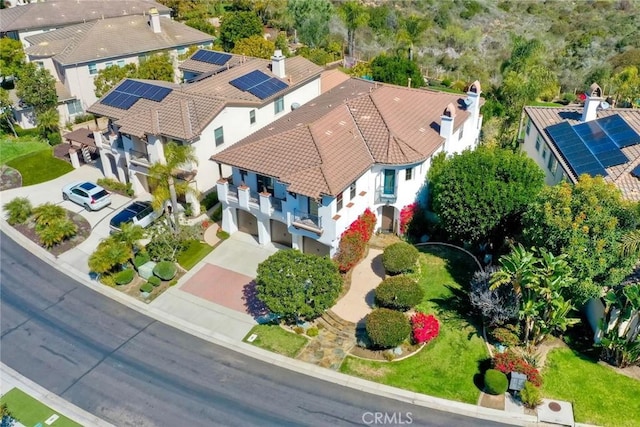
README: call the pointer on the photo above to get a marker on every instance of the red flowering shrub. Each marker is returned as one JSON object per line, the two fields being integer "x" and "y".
{"x": 406, "y": 215}
{"x": 353, "y": 241}
{"x": 510, "y": 362}
{"x": 425, "y": 327}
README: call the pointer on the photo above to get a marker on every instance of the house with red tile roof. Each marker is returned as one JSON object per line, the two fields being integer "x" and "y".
{"x": 220, "y": 106}
{"x": 595, "y": 139}
{"x": 303, "y": 179}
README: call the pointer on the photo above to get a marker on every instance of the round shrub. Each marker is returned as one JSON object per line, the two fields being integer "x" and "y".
{"x": 147, "y": 287}
{"x": 399, "y": 293}
{"x": 124, "y": 277}
{"x": 387, "y": 328}
{"x": 154, "y": 280}
{"x": 399, "y": 258}
{"x": 18, "y": 210}
{"x": 166, "y": 270}
{"x": 495, "y": 382}
{"x": 312, "y": 332}
{"x": 141, "y": 259}
{"x": 530, "y": 395}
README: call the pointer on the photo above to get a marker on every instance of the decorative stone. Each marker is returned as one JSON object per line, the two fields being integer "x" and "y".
{"x": 397, "y": 351}
{"x": 144, "y": 295}
{"x": 146, "y": 270}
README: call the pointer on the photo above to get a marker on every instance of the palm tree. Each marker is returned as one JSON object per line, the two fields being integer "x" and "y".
{"x": 48, "y": 122}
{"x": 129, "y": 234}
{"x": 354, "y": 15}
{"x": 164, "y": 176}
{"x": 412, "y": 29}
{"x": 631, "y": 243}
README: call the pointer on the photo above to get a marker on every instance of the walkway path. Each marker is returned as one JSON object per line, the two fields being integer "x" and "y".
{"x": 365, "y": 277}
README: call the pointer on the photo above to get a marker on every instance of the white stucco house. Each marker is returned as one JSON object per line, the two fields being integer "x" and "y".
{"x": 211, "y": 114}
{"x": 75, "y": 54}
{"x": 302, "y": 180}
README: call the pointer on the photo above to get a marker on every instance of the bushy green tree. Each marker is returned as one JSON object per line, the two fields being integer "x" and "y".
{"x": 311, "y": 20}
{"x": 480, "y": 194}
{"x": 108, "y": 77}
{"x": 588, "y": 222}
{"x": 296, "y": 286}
{"x": 156, "y": 67}
{"x": 37, "y": 87}
{"x": 396, "y": 70}
{"x": 239, "y": 25}
{"x": 6, "y": 113}
{"x": 354, "y": 15}
{"x": 256, "y": 46}
{"x": 11, "y": 57}
{"x": 109, "y": 255}
{"x": 387, "y": 328}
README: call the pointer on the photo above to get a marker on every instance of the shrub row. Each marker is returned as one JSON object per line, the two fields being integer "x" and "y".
{"x": 387, "y": 328}
{"x": 353, "y": 241}
{"x": 209, "y": 201}
{"x": 117, "y": 186}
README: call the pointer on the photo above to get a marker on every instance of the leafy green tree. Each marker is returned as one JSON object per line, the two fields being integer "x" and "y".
{"x": 316, "y": 55}
{"x": 164, "y": 176}
{"x": 626, "y": 84}
{"x": 6, "y": 112}
{"x": 108, "y": 77}
{"x": 396, "y": 70}
{"x": 48, "y": 122}
{"x": 296, "y": 286}
{"x": 412, "y": 29}
{"x": 255, "y": 46}
{"x": 311, "y": 20}
{"x": 472, "y": 212}
{"x": 237, "y": 26}
{"x": 109, "y": 255}
{"x": 354, "y": 15}
{"x": 156, "y": 67}
{"x": 11, "y": 57}
{"x": 620, "y": 342}
{"x": 202, "y": 25}
{"x": 587, "y": 222}
{"x": 167, "y": 241}
{"x": 37, "y": 87}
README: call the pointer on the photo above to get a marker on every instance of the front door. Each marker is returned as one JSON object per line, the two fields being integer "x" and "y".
{"x": 313, "y": 207}
{"x": 387, "y": 219}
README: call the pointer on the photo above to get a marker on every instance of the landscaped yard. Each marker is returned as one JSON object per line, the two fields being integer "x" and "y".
{"x": 276, "y": 339}
{"x": 30, "y": 411}
{"x": 12, "y": 148}
{"x": 39, "y": 166}
{"x": 446, "y": 366}
{"x": 599, "y": 394}
{"x": 193, "y": 254}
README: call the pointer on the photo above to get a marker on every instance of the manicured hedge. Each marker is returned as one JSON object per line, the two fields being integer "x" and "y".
{"x": 399, "y": 293}
{"x": 147, "y": 287}
{"x": 155, "y": 281}
{"x": 166, "y": 270}
{"x": 141, "y": 259}
{"x": 400, "y": 258}
{"x": 387, "y": 328}
{"x": 124, "y": 277}
{"x": 495, "y": 382}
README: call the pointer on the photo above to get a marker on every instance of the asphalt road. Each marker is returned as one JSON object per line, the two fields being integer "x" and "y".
{"x": 131, "y": 370}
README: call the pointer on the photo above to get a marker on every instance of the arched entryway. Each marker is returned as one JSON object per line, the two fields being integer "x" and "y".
{"x": 247, "y": 223}
{"x": 312, "y": 246}
{"x": 388, "y": 220}
{"x": 280, "y": 234}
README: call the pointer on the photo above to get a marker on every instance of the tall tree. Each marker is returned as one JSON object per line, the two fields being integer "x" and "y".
{"x": 165, "y": 177}
{"x": 587, "y": 222}
{"x": 108, "y": 77}
{"x": 311, "y": 20}
{"x": 255, "y": 46}
{"x": 11, "y": 57}
{"x": 626, "y": 84}
{"x": 396, "y": 70}
{"x": 239, "y": 25}
{"x": 48, "y": 122}
{"x": 37, "y": 87}
{"x": 412, "y": 29}
{"x": 354, "y": 15}
{"x": 156, "y": 67}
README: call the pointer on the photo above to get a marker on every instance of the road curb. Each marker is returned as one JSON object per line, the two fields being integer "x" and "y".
{"x": 269, "y": 357}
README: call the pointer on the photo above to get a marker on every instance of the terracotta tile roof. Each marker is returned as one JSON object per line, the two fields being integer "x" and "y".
{"x": 331, "y": 79}
{"x": 326, "y": 144}
{"x": 111, "y": 38}
{"x": 543, "y": 117}
{"x": 68, "y": 12}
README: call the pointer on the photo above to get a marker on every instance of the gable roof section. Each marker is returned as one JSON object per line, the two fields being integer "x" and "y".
{"x": 620, "y": 175}
{"x": 67, "y": 12}
{"x": 112, "y": 38}
{"x": 325, "y": 145}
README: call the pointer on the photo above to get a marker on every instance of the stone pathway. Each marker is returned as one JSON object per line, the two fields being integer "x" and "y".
{"x": 335, "y": 339}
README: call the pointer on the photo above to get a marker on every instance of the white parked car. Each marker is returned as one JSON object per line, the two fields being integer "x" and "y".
{"x": 87, "y": 194}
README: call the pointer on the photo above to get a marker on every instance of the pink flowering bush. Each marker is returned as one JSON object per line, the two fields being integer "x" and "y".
{"x": 425, "y": 327}
{"x": 406, "y": 215}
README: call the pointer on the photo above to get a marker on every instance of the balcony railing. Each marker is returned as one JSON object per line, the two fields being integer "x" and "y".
{"x": 232, "y": 192}
{"x": 307, "y": 221}
{"x": 276, "y": 204}
{"x": 254, "y": 197}
{"x": 139, "y": 157}
{"x": 385, "y": 197}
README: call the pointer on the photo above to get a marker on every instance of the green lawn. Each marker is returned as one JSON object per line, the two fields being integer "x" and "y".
{"x": 30, "y": 411}
{"x": 599, "y": 394}
{"x": 276, "y": 339}
{"x": 544, "y": 104}
{"x": 447, "y": 366}
{"x": 193, "y": 254}
{"x": 12, "y": 148}
{"x": 39, "y": 166}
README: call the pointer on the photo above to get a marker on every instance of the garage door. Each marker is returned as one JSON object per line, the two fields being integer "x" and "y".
{"x": 312, "y": 246}
{"x": 247, "y": 223}
{"x": 280, "y": 234}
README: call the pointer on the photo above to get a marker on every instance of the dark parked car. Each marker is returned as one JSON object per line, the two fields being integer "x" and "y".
{"x": 137, "y": 213}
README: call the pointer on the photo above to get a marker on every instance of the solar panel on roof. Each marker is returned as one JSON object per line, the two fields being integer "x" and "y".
{"x": 574, "y": 150}
{"x": 249, "y": 80}
{"x": 211, "y": 57}
{"x": 129, "y": 91}
{"x": 268, "y": 88}
{"x": 636, "y": 172}
{"x": 619, "y": 131}
{"x": 612, "y": 158}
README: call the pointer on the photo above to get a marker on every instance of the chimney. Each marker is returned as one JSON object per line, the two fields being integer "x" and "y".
{"x": 277, "y": 64}
{"x": 154, "y": 20}
{"x": 446, "y": 124}
{"x": 591, "y": 104}
{"x": 472, "y": 102}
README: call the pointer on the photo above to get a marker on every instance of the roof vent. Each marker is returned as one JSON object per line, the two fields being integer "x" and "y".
{"x": 605, "y": 105}
{"x": 295, "y": 106}
{"x": 468, "y": 102}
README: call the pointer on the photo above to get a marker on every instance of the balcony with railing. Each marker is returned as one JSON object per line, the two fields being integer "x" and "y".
{"x": 276, "y": 204}
{"x": 307, "y": 221}
{"x": 385, "y": 196}
{"x": 139, "y": 157}
{"x": 232, "y": 193}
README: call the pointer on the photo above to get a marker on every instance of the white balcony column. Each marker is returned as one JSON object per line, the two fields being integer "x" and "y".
{"x": 229, "y": 220}
{"x": 265, "y": 203}
{"x": 243, "y": 196}
{"x": 73, "y": 155}
{"x": 222, "y": 187}
{"x": 296, "y": 241}
{"x": 264, "y": 236}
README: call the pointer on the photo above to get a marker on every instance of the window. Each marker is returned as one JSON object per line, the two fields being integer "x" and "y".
{"x": 553, "y": 164}
{"x": 93, "y": 69}
{"x": 252, "y": 117}
{"x": 278, "y": 104}
{"x": 339, "y": 202}
{"x": 352, "y": 191}
{"x": 544, "y": 152}
{"x": 219, "y": 135}
{"x": 538, "y": 140}
{"x": 39, "y": 64}
{"x": 243, "y": 175}
{"x": 408, "y": 174}
{"x": 74, "y": 107}
{"x": 142, "y": 58}
{"x": 182, "y": 50}
{"x": 265, "y": 183}
{"x": 389, "y": 182}
{"x": 120, "y": 63}
{"x": 528, "y": 126}
{"x": 461, "y": 133}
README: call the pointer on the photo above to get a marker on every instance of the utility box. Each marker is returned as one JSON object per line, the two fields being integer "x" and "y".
{"x": 516, "y": 381}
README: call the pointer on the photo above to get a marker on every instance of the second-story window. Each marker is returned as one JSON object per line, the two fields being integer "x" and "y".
{"x": 408, "y": 174}
{"x": 352, "y": 191}
{"x": 252, "y": 117}
{"x": 243, "y": 176}
{"x": 108, "y": 64}
{"x": 278, "y": 104}
{"x": 538, "y": 143}
{"x": 120, "y": 63}
{"x": 544, "y": 152}
{"x": 265, "y": 183}
{"x": 93, "y": 69}
{"x": 219, "y": 135}
{"x": 339, "y": 202}
{"x": 528, "y": 126}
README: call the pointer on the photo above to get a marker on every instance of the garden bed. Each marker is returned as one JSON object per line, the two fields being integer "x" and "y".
{"x": 133, "y": 289}
{"x": 28, "y": 229}
{"x": 408, "y": 350}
